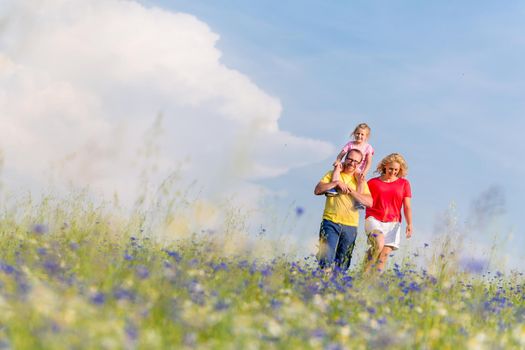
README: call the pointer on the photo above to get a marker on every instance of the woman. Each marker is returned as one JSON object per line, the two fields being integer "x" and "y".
{"x": 390, "y": 192}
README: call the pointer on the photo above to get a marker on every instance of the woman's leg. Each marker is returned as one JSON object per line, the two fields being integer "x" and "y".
{"x": 377, "y": 240}
{"x": 383, "y": 256}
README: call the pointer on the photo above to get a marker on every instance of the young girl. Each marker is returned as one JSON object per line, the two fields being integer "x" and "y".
{"x": 360, "y": 142}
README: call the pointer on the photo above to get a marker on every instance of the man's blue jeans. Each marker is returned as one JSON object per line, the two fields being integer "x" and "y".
{"x": 336, "y": 244}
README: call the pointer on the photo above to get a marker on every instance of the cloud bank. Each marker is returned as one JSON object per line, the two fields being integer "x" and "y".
{"x": 105, "y": 93}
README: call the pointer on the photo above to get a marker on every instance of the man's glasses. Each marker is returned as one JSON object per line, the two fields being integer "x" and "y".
{"x": 353, "y": 161}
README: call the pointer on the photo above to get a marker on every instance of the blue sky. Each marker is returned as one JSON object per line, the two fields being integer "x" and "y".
{"x": 257, "y": 98}
{"x": 442, "y": 83}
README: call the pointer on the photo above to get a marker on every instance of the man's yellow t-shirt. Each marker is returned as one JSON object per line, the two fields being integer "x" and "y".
{"x": 340, "y": 209}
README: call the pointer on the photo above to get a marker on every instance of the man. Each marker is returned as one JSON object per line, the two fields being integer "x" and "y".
{"x": 341, "y": 218}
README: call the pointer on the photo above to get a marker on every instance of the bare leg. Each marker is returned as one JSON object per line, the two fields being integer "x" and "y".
{"x": 336, "y": 176}
{"x": 336, "y": 173}
{"x": 377, "y": 239}
{"x": 359, "y": 183}
{"x": 383, "y": 256}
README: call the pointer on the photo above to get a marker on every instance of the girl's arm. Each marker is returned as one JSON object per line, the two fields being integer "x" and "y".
{"x": 339, "y": 157}
{"x": 407, "y": 209}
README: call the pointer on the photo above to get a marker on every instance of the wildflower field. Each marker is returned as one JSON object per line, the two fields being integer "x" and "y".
{"x": 77, "y": 276}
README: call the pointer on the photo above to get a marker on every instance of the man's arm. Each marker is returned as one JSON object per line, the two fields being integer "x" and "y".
{"x": 365, "y": 199}
{"x": 362, "y": 186}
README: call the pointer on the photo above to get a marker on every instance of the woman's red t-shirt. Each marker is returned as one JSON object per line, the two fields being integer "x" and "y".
{"x": 388, "y": 199}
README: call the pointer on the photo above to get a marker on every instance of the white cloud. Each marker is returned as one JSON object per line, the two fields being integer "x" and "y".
{"x": 81, "y": 83}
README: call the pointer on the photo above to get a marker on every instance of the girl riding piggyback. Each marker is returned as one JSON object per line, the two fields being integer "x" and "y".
{"x": 360, "y": 141}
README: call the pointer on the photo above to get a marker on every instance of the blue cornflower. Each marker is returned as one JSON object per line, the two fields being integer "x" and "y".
{"x": 173, "y": 254}
{"x": 346, "y": 279}
{"x": 221, "y": 266}
{"x": 41, "y": 251}
{"x": 8, "y": 269}
{"x": 312, "y": 289}
{"x": 51, "y": 266}
{"x": 40, "y": 228}
{"x": 275, "y": 304}
{"x": 414, "y": 287}
{"x": 54, "y": 327}
{"x": 142, "y": 271}
{"x": 221, "y": 305}
{"x": 98, "y": 298}
{"x": 131, "y": 331}
{"x": 253, "y": 268}
{"x": 341, "y": 322}
{"x": 318, "y": 333}
{"x": 266, "y": 271}
{"x": 243, "y": 264}
{"x": 399, "y": 274}
{"x": 120, "y": 293}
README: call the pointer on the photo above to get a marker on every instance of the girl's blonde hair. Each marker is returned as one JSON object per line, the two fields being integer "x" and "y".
{"x": 394, "y": 157}
{"x": 362, "y": 126}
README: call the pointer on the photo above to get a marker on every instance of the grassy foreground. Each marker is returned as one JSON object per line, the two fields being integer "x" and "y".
{"x": 79, "y": 277}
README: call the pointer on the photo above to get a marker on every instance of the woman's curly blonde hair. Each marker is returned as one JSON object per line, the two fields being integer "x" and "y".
{"x": 394, "y": 157}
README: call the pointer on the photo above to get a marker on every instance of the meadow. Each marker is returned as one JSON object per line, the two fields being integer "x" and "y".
{"x": 75, "y": 275}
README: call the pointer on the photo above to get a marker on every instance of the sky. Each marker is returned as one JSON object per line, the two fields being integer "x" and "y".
{"x": 246, "y": 104}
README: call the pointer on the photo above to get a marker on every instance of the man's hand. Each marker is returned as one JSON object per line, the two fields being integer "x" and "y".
{"x": 343, "y": 187}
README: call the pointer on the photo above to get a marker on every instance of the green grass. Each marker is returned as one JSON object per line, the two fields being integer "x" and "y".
{"x": 74, "y": 275}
